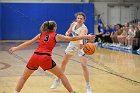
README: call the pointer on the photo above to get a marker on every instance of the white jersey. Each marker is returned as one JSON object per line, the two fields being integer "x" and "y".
{"x": 76, "y": 32}
{"x": 131, "y": 33}
{"x": 73, "y": 46}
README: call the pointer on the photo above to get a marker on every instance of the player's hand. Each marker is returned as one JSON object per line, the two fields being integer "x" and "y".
{"x": 91, "y": 37}
{"x": 12, "y": 49}
{"x": 81, "y": 46}
{"x": 67, "y": 33}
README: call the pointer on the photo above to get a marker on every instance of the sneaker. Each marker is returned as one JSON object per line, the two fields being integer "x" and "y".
{"x": 89, "y": 89}
{"x": 138, "y": 51}
{"x": 55, "y": 84}
{"x": 129, "y": 47}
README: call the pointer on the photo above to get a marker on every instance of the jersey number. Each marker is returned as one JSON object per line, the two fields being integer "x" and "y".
{"x": 46, "y": 38}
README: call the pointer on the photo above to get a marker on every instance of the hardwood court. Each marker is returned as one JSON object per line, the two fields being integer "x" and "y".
{"x": 110, "y": 71}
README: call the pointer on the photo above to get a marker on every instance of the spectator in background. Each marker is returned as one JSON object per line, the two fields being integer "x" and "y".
{"x": 100, "y": 22}
{"x": 115, "y": 33}
{"x": 131, "y": 34}
{"x": 99, "y": 35}
{"x": 106, "y": 35}
{"x": 122, "y": 37}
{"x": 136, "y": 40}
{"x": 138, "y": 25}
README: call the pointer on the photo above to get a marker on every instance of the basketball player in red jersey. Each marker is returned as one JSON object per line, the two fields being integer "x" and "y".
{"x": 42, "y": 55}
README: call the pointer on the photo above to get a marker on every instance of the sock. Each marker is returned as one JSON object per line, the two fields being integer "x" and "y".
{"x": 72, "y": 92}
{"x": 88, "y": 84}
{"x": 16, "y": 92}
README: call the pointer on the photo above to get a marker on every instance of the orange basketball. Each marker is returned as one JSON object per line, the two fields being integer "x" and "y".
{"x": 89, "y": 48}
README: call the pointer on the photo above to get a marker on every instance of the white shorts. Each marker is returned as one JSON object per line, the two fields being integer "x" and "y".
{"x": 72, "y": 50}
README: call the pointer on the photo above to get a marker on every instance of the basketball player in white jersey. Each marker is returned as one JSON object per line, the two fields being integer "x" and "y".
{"x": 77, "y": 28}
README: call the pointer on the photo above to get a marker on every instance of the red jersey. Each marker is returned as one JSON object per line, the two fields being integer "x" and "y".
{"x": 47, "y": 42}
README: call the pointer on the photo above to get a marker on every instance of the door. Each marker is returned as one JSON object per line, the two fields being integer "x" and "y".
{"x": 118, "y": 15}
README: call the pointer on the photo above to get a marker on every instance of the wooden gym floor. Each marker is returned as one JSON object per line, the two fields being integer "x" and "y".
{"x": 110, "y": 71}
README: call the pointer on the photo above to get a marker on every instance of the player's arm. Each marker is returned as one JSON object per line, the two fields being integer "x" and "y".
{"x": 60, "y": 37}
{"x": 25, "y": 44}
{"x": 69, "y": 30}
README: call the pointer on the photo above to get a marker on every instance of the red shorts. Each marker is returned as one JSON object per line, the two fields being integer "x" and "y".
{"x": 44, "y": 61}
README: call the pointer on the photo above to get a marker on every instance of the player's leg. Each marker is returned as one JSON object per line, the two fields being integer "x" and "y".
{"x": 63, "y": 66}
{"x": 84, "y": 67}
{"x": 83, "y": 60}
{"x": 57, "y": 71}
{"x": 30, "y": 68}
{"x": 86, "y": 73}
{"x": 23, "y": 79}
{"x": 65, "y": 62}
{"x": 70, "y": 51}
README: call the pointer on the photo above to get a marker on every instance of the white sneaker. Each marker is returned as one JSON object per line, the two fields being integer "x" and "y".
{"x": 129, "y": 47}
{"x": 89, "y": 89}
{"x": 55, "y": 84}
{"x": 138, "y": 51}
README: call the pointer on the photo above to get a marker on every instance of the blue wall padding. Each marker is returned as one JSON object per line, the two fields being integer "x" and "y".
{"x": 0, "y": 23}
{"x": 21, "y": 21}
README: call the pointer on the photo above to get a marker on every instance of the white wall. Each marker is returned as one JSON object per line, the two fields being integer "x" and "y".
{"x": 116, "y": 14}
{"x": 121, "y": 14}
{"x": 101, "y": 8}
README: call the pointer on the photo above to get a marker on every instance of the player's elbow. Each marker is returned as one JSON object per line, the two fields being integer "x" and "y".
{"x": 29, "y": 43}
{"x": 69, "y": 39}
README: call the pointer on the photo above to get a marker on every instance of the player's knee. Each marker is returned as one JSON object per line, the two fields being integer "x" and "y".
{"x": 24, "y": 78}
{"x": 63, "y": 65}
{"x": 84, "y": 66}
{"x": 60, "y": 75}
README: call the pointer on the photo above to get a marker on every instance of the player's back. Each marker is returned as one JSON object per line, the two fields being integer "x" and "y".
{"x": 47, "y": 42}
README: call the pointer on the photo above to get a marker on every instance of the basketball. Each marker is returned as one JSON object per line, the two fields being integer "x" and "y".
{"x": 89, "y": 48}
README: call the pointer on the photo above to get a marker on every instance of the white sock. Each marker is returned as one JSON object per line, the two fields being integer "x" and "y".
{"x": 88, "y": 84}
{"x": 16, "y": 92}
{"x": 72, "y": 92}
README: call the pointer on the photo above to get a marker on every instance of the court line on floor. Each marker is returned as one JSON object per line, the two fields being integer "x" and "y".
{"x": 24, "y": 61}
{"x": 134, "y": 82}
